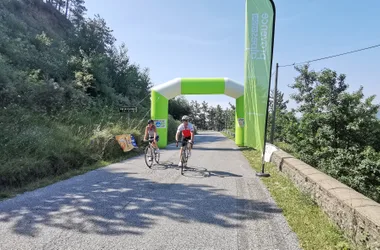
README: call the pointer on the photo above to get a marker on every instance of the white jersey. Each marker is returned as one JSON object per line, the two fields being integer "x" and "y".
{"x": 186, "y": 131}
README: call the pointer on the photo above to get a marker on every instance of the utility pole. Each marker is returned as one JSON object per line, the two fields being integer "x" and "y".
{"x": 273, "y": 128}
{"x": 225, "y": 121}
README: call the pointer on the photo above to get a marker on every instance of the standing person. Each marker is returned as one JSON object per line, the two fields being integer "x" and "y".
{"x": 151, "y": 131}
{"x": 187, "y": 130}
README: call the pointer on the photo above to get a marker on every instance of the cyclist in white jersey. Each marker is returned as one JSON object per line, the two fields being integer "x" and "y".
{"x": 187, "y": 131}
{"x": 151, "y": 131}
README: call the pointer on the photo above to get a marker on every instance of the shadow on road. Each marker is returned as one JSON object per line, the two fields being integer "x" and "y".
{"x": 163, "y": 165}
{"x": 215, "y": 149}
{"x": 116, "y": 203}
{"x": 223, "y": 174}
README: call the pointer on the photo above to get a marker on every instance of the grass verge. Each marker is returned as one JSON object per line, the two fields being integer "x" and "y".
{"x": 312, "y": 226}
{"x": 38, "y": 150}
{"x": 228, "y": 136}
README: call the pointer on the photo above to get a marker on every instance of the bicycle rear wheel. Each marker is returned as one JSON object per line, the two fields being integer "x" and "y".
{"x": 149, "y": 156}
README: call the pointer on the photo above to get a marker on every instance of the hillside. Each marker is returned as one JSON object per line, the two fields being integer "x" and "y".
{"x": 62, "y": 81}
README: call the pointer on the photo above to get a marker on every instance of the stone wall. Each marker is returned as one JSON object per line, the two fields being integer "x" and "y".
{"x": 353, "y": 212}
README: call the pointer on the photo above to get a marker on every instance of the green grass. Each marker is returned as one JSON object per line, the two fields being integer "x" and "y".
{"x": 306, "y": 219}
{"x": 287, "y": 148}
{"x": 39, "y": 150}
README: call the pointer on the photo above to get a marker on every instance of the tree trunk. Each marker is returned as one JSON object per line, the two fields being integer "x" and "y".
{"x": 59, "y": 5}
{"x": 67, "y": 8}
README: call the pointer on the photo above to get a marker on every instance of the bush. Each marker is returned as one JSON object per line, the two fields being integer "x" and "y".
{"x": 338, "y": 132}
{"x": 359, "y": 170}
{"x": 36, "y": 146}
{"x": 172, "y": 128}
{"x": 61, "y": 84}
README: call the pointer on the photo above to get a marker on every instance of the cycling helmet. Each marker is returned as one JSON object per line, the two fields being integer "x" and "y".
{"x": 150, "y": 121}
{"x": 185, "y": 118}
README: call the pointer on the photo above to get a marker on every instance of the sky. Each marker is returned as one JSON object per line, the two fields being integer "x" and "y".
{"x": 205, "y": 38}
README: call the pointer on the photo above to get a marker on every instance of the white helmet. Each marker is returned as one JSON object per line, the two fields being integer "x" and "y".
{"x": 185, "y": 118}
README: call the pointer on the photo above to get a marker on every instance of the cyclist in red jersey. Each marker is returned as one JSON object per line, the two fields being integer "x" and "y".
{"x": 187, "y": 131}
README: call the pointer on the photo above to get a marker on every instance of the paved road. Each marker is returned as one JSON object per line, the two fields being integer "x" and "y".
{"x": 128, "y": 206}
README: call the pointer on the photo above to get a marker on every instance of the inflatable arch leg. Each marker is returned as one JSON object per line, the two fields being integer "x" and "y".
{"x": 159, "y": 113}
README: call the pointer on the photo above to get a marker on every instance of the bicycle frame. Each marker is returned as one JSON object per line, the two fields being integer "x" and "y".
{"x": 185, "y": 155}
{"x": 153, "y": 154}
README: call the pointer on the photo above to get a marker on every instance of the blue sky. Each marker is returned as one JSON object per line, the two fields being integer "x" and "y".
{"x": 205, "y": 38}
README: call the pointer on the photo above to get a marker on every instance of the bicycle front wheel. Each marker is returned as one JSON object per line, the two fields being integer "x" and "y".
{"x": 149, "y": 156}
{"x": 184, "y": 158}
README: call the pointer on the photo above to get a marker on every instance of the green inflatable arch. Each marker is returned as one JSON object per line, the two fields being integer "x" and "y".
{"x": 161, "y": 95}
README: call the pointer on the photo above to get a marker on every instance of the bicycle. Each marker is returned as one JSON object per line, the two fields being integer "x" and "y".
{"x": 150, "y": 153}
{"x": 185, "y": 155}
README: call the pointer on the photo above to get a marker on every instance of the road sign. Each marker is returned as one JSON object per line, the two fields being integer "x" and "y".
{"x": 128, "y": 109}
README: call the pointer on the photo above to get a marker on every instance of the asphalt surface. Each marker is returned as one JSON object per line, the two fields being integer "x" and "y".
{"x": 218, "y": 204}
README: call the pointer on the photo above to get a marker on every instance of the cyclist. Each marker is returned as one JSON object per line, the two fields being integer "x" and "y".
{"x": 187, "y": 131}
{"x": 151, "y": 131}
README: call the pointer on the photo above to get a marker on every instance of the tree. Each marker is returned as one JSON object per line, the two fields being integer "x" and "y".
{"x": 179, "y": 107}
{"x": 196, "y": 114}
{"x": 338, "y": 131}
{"x": 211, "y": 118}
{"x": 229, "y": 115}
{"x": 59, "y": 4}
{"x": 220, "y": 119}
{"x": 204, "y": 113}
{"x": 282, "y": 118}
{"x": 94, "y": 36}
{"x": 330, "y": 115}
{"x": 281, "y": 103}
{"x": 66, "y": 80}
{"x": 74, "y": 7}
{"x": 77, "y": 10}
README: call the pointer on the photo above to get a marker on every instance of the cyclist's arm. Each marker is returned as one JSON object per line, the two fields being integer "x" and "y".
{"x": 177, "y": 135}
{"x": 155, "y": 133}
{"x": 146, "y": 133}
{"x": 192, "y": 133}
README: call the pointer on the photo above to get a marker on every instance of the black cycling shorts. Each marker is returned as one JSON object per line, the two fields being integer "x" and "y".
{"x": 157, "y": 138}
{"x": 185, "y": 140}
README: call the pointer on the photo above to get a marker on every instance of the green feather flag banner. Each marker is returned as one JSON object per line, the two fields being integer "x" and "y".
{"x": 259, "y": 37}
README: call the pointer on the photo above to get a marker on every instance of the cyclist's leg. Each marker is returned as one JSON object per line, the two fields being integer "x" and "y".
{"x": 183, "y": 143}
{"x": 191, "y": 145}
{"x": 150, "y": 141}
{"x": 155, "y": 143}
{"x": 188, "y": 145}
{"x": 180, "y": 157}
{"x": 180, "y": 154}
{"x": 186, "y": 142}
